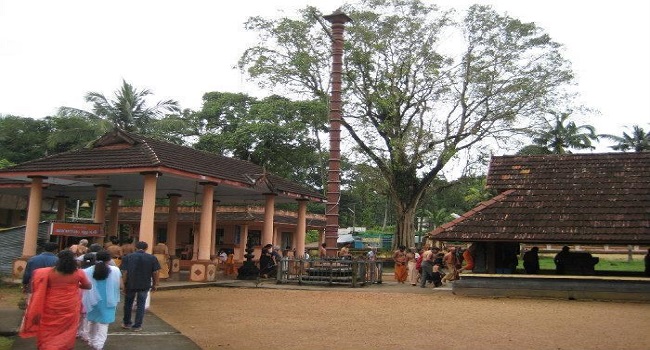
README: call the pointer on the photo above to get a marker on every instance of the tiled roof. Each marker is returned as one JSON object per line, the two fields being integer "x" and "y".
{"x": 119, "y": 149}
{"x": 579, "y": 198}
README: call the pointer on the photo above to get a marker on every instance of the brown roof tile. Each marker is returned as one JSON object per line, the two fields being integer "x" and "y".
{"x": 580, "y": 198}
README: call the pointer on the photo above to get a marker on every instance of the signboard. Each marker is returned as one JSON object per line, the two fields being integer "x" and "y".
{"x": 76, "y": 229}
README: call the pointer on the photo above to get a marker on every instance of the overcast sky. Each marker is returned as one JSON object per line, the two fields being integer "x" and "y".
{"x": 53, "y": 52}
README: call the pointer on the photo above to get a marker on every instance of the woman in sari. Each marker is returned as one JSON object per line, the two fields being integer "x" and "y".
{"x": 55, "y": 307}
{"x": 101, "y": 301}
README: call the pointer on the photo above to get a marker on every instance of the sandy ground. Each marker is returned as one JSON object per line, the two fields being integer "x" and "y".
{"x": 244, "y": 318}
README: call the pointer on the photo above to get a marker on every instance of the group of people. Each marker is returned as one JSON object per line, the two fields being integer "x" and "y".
{"x": 431, "y": 265}
{"x": 82, "y": 286}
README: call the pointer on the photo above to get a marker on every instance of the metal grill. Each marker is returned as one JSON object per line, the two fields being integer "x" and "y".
{"x": 354, "y": 273}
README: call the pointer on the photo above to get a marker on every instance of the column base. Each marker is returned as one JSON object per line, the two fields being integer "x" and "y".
{"x": 18, "y": 267}
{"x": 203, "y": 271}
{"x": 175, "y": 265}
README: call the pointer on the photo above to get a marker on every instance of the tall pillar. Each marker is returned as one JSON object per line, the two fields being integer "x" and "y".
{"x": 338, "y": 20}
{"x": 269, "y": 215}
{"x": 203, "y": 269}
{"x": 301, "y": 228}
{"x": 99, "y": 215}
{"x": 31, "y": 228}
{"x": 113, "y": 220}
{"x": 148, "y": 209}
{"x": 206, "y": 222}
{"x": 60, "y": 210}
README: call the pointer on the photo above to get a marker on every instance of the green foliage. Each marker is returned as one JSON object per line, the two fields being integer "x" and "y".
{"x": 22, "y": 139}
{"x": 128, "y": 111}
{"x": 638, "y": 140}
{"x": 274, "y": 132}
{"x": 312, "y": 236}
{"x": 560, "y": 136}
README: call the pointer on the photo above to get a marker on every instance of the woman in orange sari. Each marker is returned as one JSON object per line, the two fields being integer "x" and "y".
{"x": 400, "y": 264}
{"x": 54, "y": 310}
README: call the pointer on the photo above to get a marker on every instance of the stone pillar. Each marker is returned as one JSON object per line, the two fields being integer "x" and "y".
{"x": 243, "y": 239}
{"x": 172, "y": 228}
{"x": 301, "y": 228}
{"x": 31, "y": 228}
{"x": 203, "y": 269}
{"x": 269, "y": 214}
{"x": 114, "y": 219}
{"x": 148, "y": 209}
{"x": 99, "y": 215}
{"x": 60, "y": 211}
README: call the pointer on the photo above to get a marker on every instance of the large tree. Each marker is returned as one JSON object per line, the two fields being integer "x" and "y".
{"x": 411, "y": 103}
{"x": 128, "y": 110}
{"x": 22, "y": 139}
{"x": 560, "y": 136}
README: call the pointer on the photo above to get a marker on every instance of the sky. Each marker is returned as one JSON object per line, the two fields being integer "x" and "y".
{"x": 53, "y": 52}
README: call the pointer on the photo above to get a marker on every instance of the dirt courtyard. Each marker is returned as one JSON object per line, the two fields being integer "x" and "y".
{"x": 361, "y": 318}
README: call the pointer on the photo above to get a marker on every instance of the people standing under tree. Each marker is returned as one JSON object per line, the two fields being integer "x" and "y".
{"x": 411, "y": 262}
{"x": 54, "y": 310}
{"x": 344, "y": 253}
{"x": 400, "y": 259}
{"x": 561, "y": 260}
{"x": 426, "y": 267}
{"x": 531, "y": 261}
{"x": 161, "y": 252}
{"x": 468, "y": 259}
{"x": 46, "y": 259}
{"x": 101, "y": 301}
{"x": 267, "y": 264}
{"x": 647, "y": 263}
{"x": 140, "y": 272}
{"x": 322, "y": 251}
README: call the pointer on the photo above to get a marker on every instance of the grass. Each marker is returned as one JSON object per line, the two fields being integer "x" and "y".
{"x": 617, "y": 263}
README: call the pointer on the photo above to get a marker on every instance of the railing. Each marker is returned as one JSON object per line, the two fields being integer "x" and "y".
{"x": 354, "y": 273}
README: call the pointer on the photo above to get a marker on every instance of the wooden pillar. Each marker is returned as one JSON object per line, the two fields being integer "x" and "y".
{"x": 301, "y": 228}
{"x": 113, "y": 220}
{"x": 60, "y": 211}
{"x": 148, "y": 209}
{"x": 269, "y": 215}
{"x": 99, "y": 214}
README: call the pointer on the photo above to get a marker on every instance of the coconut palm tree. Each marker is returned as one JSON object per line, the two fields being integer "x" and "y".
{"x": 127, "y": 111}
{"x": 560, "y": 136}
{"x": 638, "y": 140}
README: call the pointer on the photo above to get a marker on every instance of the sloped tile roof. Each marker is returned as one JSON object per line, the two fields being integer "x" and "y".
{"x": 119, "y": 149}
{"x": 579, "y": 198}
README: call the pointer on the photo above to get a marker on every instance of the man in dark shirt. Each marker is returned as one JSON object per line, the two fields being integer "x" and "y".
{"x": 139, "y": 270}
{"x": 46, "y": 259}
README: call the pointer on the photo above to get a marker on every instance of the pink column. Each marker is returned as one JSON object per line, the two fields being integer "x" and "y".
{"x": 33, "y": 215}
{"x": 269, "y": 214}
{"x": 148, "y": 209}
{"x": 206, "y": 222}
{"x": 301, "y": 228}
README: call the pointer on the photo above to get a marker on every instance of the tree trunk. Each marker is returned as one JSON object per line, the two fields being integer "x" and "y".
{"x": 405, "y": 229}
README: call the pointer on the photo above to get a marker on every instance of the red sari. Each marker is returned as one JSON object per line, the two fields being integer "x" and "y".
{"x": 54, "y": 308}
